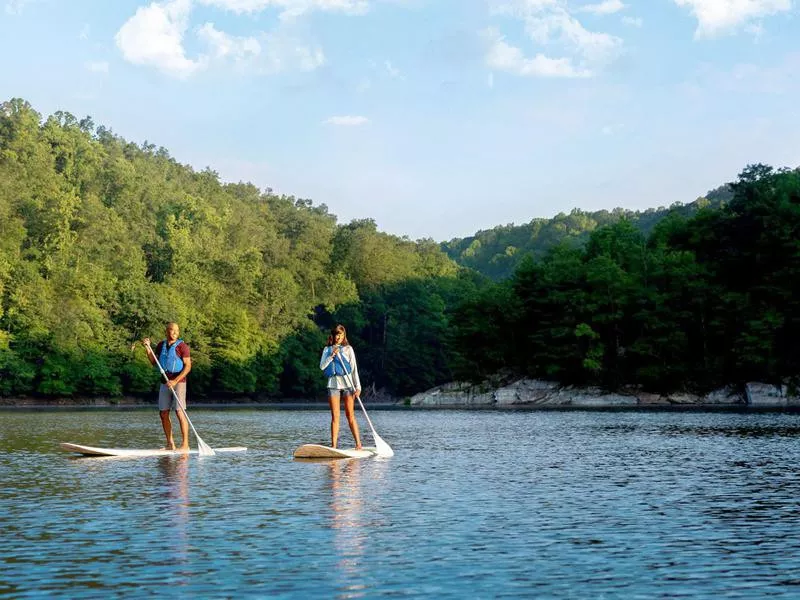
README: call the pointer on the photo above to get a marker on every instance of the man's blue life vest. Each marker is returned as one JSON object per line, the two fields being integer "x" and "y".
{"x": 335, "y": 367}
{"x": 169, "y": 359}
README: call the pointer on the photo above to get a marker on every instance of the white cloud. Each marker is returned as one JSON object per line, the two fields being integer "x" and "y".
{"x": 392, "y": 71}
{"x": 154, "y": 37}
{"x": 715, "y": 17}
{"x": 271, "y": 53}
{"x": 224, "y": 46}
{"x": 97, "y": 66}
{"x": 347, "y": 121}
{"x": 84, "y": 34}
{"x": 551, "y": 24}
{"x": 284, "y": 53}
{"x": 379, "y": 72}
{"x": 15, "y": 7}
{"x": 633, "y": 21}
{"x": 755, "y": 29}
{"x": 504, "y": 57}
{"x": 561, "y": 27}
{"x": 607, "y": 7}
{"x": 291, "y": 8}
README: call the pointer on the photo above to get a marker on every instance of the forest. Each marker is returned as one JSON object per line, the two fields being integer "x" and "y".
{"x": 497, "y": 252}
{"x": 103, "y": 241}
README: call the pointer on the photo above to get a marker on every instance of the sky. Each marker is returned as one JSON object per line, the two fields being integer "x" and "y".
{"x": 435, "y": 118}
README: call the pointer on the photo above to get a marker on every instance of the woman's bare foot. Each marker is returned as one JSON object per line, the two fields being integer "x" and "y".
{"x": 184, "y": 448}
{"x": 170, "y": 446}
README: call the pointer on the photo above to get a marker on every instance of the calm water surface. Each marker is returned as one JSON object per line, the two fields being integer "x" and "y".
{"x": 475, "y": 504}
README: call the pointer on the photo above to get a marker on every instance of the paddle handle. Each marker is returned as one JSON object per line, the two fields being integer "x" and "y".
{"x": 352, "y": 385}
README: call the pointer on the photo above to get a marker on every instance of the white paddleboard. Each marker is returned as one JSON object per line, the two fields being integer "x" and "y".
{"x": 318, "y": 451}
{"x": 92, "y": 451}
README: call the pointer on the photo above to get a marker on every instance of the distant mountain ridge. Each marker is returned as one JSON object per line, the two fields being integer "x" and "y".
{"x": 497, "y": 252}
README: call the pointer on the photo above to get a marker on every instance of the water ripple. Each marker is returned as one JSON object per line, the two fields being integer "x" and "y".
{"x": 474, "y": 504}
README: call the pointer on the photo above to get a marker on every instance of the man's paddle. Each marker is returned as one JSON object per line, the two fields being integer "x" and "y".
{"x": 203, "y": 449}
{"x": 381, "y": 447}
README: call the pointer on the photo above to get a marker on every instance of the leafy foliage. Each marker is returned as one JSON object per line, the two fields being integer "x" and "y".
{"x": 701, "y": 302}
{"x": 103, "y": 241}
{"x": 499, "y": 251}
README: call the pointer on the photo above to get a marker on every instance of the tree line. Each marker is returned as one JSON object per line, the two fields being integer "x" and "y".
{"x": 499, "y": 251}
{"x": 702, "y": 302}
{"x": 102, "y": 241}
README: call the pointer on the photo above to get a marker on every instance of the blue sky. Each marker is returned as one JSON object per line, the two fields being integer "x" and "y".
{"x": 436, "y": 118}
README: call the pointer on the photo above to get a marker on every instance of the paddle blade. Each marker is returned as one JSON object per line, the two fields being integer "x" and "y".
{"x": 381, "y": 447}
{"x": 204, "y": 449}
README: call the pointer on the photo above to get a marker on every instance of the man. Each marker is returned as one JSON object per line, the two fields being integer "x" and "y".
{"x": 173, "y": 355}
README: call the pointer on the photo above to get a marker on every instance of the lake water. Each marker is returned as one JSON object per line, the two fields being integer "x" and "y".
{"x": 475, "y": 504}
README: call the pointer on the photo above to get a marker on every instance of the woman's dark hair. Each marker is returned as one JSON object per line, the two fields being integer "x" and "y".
{"x": 332, "y": 337}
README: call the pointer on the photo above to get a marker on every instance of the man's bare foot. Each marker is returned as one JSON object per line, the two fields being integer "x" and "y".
{"x": 170, "y": 446}
{"x": 183, "y": 448}
{"x": 358, "y": 446}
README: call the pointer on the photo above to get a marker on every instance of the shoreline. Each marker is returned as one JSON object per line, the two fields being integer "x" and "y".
{"x": 521, "y": 394}
{"x": 90, "y": 404}
{"x": 384, "y": 406}
{"x": 192, "y": 407}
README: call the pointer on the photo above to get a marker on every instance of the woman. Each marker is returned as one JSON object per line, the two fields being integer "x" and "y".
{"x": 338, "y": 362}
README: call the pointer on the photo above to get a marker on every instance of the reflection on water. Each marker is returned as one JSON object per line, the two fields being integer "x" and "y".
{"x": 175, "y": 471}
{"x": 473, "y": 505}
{"x": 346, "y": 521}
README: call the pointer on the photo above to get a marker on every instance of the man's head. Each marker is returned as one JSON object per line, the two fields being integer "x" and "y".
{"x": 172, "y": 332}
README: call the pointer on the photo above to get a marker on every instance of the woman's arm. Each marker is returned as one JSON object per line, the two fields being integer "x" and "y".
{"x": 326, "y": 359}
{"x": 354, "y": 374}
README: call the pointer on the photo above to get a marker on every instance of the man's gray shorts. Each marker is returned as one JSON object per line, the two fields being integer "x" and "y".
{"x": 166, "y": 401}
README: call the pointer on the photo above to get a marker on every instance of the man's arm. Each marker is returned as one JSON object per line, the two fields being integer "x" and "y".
{"x": 187, "y": 366}
{"x": 151, "y": 354}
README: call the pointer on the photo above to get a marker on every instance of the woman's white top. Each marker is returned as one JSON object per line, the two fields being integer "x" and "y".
{"x": 341, "y": 382}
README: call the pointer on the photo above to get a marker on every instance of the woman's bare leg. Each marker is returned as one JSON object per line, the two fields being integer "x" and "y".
{"x": 350, "y": 413}
{"x": 333, "y": 401}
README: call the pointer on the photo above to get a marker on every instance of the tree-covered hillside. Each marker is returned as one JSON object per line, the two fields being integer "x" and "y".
{"x": 701, "y": 302}
{"x": 497, "y": 252}
{"x": 102, "y": 241}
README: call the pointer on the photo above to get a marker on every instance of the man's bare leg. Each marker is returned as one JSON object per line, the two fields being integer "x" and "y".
{"x": 184, "y": 423}
{"x": 166, "y": 424}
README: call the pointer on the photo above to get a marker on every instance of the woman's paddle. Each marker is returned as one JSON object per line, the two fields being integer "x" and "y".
{"x": 381, "y": 447}
{"x": 203, "y": 449}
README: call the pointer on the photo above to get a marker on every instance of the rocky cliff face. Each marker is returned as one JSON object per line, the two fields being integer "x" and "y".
{"x": 532, "y": 392}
